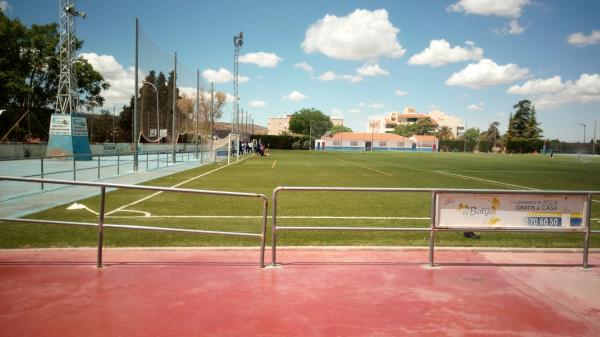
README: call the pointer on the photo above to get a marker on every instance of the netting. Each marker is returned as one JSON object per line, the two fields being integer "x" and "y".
{"x": 159, "y": 120}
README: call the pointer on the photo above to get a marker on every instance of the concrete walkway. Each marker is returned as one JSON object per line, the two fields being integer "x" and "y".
{"x": 18, "y": 199}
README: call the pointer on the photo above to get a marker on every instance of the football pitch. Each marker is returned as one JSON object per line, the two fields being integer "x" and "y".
{"x": 303, "y": 168}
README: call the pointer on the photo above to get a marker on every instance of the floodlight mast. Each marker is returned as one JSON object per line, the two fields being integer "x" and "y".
{"x": 66, "y": 100}
{"x": 238, "y": 41}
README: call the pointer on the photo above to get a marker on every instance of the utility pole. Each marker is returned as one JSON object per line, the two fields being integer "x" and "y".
{"x": 135, "y": 98}
{"x": 174, "y": 137}
{"x": 197, "y": 106}
{"x": 212, "y": 109}
{"x": 113, "y": 124}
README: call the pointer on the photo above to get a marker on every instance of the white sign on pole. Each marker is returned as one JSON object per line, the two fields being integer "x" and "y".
{"x": 60, "y": 125}
{"x": 458, "y": 210}
{"x": 79, "y": 126}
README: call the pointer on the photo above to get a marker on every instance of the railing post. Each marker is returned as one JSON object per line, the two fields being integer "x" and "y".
{"x": 588, "y": 229}
{"x": 264, "y": 232}
{"x": 74, "y": 169}
{"x": 98, "y": 167}
{"x": 118, "y": 164}
{"x": 101, "y": 226}
{"x": 432, "y": 231}
{"x": 274, "y": 229}
{"x": 42, "y": 170}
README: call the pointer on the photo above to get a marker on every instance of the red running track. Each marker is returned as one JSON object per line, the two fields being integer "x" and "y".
{"x": 317, "y": 292}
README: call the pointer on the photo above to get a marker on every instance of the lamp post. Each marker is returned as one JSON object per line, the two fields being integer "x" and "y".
{"x": 157, "y": 113}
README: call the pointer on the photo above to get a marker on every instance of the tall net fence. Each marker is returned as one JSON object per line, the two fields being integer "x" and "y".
{"x": 174, "y": 102}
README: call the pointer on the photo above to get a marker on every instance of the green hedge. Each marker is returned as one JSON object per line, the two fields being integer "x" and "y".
{"x": 522, "y": 145}
{"x": 454, "y": 145}
{"x": 283, "y": 142}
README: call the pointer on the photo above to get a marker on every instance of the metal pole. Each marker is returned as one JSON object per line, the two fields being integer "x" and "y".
{"x": 146, "y": 161}
{"x": 74, "y": 168}
{"x": 432, "y": 231}
{"x": 264, "y": 233}
{"x": 174, "y": 138}
{"x": 42, "y": 169}
{"x": 135, "y": 98}
{"x": 237, "y": 153}
{"x": 118, "y": 163}
{"x": 465, "y": 136}
{"x": 228, "y": 148}
{"x": 101, "y": 226}
{"x": 197, "y": 106}
{"x": 113, "y": 124}
{"x": 274, "y": 229}
{"x": 98, "y": 167}
{"x": 594, "y": 143}
{"x": 588, "y": 229}
{"x": 212, "y": 109}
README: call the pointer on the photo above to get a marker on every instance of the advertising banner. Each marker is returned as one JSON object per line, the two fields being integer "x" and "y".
{"x": 460, "y": 210}
{"x": 60, "y": 125}
{"x": 79, "y": 126}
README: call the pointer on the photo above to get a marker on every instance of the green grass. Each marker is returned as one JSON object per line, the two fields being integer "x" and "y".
{"x": 303, "y": 168}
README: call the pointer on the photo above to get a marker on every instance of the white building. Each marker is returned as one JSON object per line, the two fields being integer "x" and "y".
{"x": 410, "y": 116}
{"x": 364, "y": 141}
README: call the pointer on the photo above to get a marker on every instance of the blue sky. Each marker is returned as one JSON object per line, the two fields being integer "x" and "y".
{"x": 470, "y": 59}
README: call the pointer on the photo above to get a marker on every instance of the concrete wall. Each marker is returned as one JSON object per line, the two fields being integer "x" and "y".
{"x": 18, "y": 151}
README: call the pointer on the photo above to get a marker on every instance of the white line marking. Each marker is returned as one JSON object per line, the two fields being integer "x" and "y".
{"x": 486, "y": 180}
{"x": 365, "y": 167}
{"x": 176, "y": 185}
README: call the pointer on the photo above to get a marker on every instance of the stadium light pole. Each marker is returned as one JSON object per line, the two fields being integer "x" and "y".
{"x": 594, "y": 143}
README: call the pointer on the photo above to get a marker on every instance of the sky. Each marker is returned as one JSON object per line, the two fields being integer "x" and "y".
{"x": 473, "y": 59}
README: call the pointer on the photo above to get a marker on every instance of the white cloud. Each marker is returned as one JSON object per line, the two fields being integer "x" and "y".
{"x": 243, "y": 79}
{"x": 217, "y": 76}
{"x": 439, "y": 53}
{"x": 476, "y": 107}
{"x": 4, "y": 6}
{"x": 552, "y": 92}
{"x": 400, "y": 93}
{"x": 515, "y": 28}
{"x": 295, "y": 96}
{"x": 487, "y": 73}
{"x": 503, "y": 8}
{"x": 580, "y": 40}
{"x": 258, "y": 104}
{"x": 539, "y": 86}
{"x": 374, "y": 105}
{"x": 261, "y": 59}
{"x": 361, "y": 35}
{"x": 354, "y": 110}
{"x": 372, "y": 70}
{"x": 121, "y": 80}
{"x": 330, "y": 76}
{"x": 304, "y": 66}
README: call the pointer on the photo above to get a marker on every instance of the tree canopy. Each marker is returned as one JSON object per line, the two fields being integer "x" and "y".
{"x": 310, "y": 122}
{"x": 340, "y": 128}
{"x": 424, "y": 126}
{"x": 523, "y": 123}
{"x": 29, "y": 76}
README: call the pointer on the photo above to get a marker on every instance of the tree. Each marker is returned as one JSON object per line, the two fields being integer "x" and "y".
{"x": 472, "y": 135}
{"x": 425, "y": 126}
{"x": 310, "y": 122}
{"x": 29, "y": 77}
{"x": 444, "y": 133}
{"x": 523, "y": 124}
{"x": 405, "y": 130}
{"x": 340, "y": 128}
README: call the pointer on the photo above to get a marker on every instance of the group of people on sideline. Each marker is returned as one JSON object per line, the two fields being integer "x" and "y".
{"x": 250, "y": 147}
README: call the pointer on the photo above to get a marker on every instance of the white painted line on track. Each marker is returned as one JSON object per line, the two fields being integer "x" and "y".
{"x": 174, "y": 186}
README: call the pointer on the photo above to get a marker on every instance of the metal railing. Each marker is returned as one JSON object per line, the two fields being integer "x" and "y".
{"x": 101, "y": 213}
{"x": 586, "y": 230}
{"x": 153, "y": 161}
